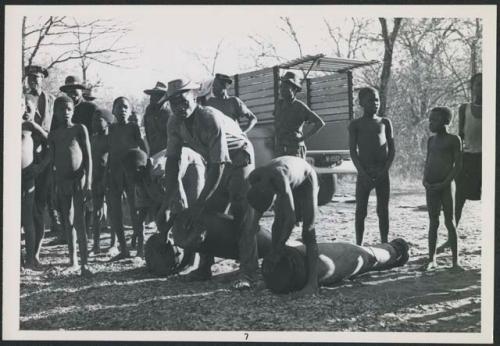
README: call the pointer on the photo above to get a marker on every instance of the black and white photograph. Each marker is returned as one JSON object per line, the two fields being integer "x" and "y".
{"x": 249, "y": 173}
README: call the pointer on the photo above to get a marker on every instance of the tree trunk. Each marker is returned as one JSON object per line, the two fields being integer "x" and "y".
{"x": 23, "y": 43}
{"x": 389, "y": 40}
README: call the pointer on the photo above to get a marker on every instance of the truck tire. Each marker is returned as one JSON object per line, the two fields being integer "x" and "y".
{"x": 327, "y": 187}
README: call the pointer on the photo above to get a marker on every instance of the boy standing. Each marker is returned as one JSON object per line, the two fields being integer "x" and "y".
{"x": 69, "y": 149}
{"x": 371, "y": 145}
{"x": 443, "y": 162}
{"x": 101, "y": 121}
{"x": 29, "y": 171}
{"x": 294, "y": 184}
{"x": 123, "y": 136}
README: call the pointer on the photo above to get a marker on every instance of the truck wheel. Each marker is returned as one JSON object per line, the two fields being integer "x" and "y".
{"x": 327, "y": 187}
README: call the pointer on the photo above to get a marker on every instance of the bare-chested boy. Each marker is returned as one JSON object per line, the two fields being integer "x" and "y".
{"x": 371, "y": 145}
{"x": 99, "y": 141}
{"x": 469, "y": 180}
{"x": 123, "y": 136}
{"x": 444, "y": 161}
{"x": 294, "y": 184}
{"x": 29, "y": 170}
{"x": 69, "y": 149}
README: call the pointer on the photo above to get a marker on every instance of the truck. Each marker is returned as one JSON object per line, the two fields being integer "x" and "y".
{"x": 328, "y": 92}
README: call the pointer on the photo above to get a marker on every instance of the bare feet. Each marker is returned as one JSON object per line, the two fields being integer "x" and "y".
{"x": 429, "y": 265}
{"x": 86, "y": 272}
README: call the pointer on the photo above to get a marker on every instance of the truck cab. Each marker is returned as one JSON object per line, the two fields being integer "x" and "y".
{"x": 328, "y": 91}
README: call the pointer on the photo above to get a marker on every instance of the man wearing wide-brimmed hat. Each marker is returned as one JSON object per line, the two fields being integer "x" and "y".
{"x": 290, "y": 115}
{"x": 84, "y": 110}
{"x": 231, "y": 106}
{"x": 230, "y": 159}
{"x": 156, "y": 117}
{"x": 44, "y": 103}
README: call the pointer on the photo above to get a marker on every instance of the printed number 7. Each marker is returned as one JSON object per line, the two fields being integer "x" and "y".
{"x": 246, "y": 336}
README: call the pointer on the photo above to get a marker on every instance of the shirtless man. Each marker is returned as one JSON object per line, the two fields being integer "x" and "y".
{"x": 99, "y": 141}
{"x": 292, "y": 184}
{"x": 444, "y": 161}
{"x": 371, "y": 145}
{"x": 122, "y": 137}
{"x": 29, "y": 171}
{"x": 231, "y": 106}
{"x": 69, "y": 149}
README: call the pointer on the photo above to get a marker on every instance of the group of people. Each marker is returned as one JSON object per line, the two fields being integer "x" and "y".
{"x": 78, "y": 158}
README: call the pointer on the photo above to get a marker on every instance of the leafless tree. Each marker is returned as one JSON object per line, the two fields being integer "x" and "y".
{"x": 67, "y": 39}
{"x": 209, "y": 63}
{"x": 389, "y": 41}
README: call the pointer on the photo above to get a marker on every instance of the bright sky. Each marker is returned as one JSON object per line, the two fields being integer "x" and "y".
{"x": 167, "y": 37}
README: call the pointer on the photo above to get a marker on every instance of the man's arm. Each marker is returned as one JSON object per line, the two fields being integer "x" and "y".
{"x": 243, "y": 111}
{"x": 316, "y": 120}
{"x": 424, "y": 178}
{"x": 284, "y": 219}
{"x": 37, "y": 129}
{"x": 140, "y": 141}
{"x": 461, "y": 121}
{"x": 390, "y": 143}
{"x": 214, "y": 174}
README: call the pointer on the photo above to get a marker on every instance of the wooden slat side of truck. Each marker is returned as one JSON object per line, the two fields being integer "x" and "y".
{"x": 329, "y": 95}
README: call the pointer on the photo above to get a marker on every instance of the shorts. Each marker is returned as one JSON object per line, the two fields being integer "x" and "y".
{"x": 469, "y": 179}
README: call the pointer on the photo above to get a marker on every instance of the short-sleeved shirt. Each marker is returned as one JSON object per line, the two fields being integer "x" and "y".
{"x": 214, "y": 136}
{"x": 84, "y": 111}
{"x": 155, "y": 125}
{"x": 231, "y": 106}
{"x": 289, "y": 120}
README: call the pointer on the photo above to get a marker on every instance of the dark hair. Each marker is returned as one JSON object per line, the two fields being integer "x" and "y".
{"x": 474, "y": 77}
{"x": 445, "y": 112}
{"x": 365, "y": 91}
{"x": 63, "y": 100}
{"x": 120, "y": 98}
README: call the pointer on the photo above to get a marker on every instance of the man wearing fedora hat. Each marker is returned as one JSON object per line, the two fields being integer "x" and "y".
{"x": 156, "y": 117}
{"x": 290, "y": 116}
{"x": 231, "y": 106}
{"x": 230, "y": 159}
{"x": 44, "y": 104}
{"x": 84, "y": 109}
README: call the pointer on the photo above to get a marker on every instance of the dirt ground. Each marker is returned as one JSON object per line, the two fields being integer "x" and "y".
{"x": 124, "y": 296}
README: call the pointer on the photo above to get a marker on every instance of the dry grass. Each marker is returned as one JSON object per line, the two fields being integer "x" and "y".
{"x": 123, "y": 296}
